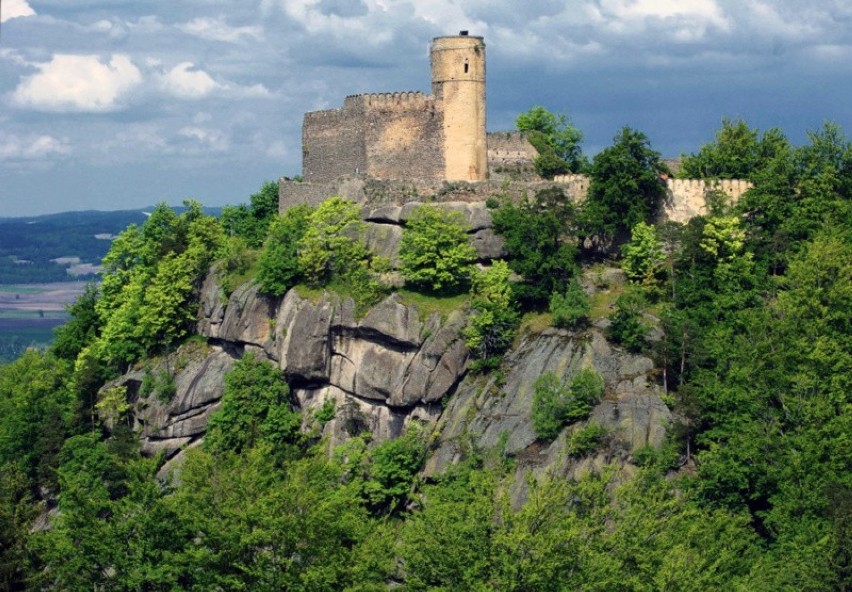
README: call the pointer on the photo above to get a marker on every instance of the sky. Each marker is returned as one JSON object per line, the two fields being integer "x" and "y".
{"x": 120, "y": 104}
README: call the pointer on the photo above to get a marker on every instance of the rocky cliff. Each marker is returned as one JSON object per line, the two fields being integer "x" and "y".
{"x": 394, "y": 366}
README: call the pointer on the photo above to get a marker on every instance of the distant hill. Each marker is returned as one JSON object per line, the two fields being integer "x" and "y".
{"x": 59, "y": 247}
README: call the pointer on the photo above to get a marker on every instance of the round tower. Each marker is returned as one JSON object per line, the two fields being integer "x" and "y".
{"x": 458, "y": 83}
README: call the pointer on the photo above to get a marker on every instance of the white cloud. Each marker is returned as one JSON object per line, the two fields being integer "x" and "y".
{"x": 78, "y": 83}
{"x": 15, "y": 9}
{"x": 33, "y": 147}
{"x": 213, "y": 139}
{"x": 184, "y": 82}
{"x": 686, "y": 21}
{"x": 215, "y": 29}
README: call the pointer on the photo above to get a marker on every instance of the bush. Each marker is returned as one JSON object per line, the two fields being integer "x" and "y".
{"x": 571, "y": 309}
{"x": 435, "y": 252}
{"x": 585, "y": 440}
{"x": 625, "y": 327}
{"x": 554, "y": 405}
{"x": 492, "y": 327}
{"x": 278, "y": 268}
{"x": 332, "y": 244}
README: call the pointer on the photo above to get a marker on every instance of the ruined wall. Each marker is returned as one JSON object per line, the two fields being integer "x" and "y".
{"x": 402, "y": 136}
{"x": 685, "y": 198}
{"x": 385, "y": 135}
{"x": 509, "y": 150}
{"x": 333, "y": 143}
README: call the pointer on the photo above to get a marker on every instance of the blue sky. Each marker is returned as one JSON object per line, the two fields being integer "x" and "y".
{"x": 120, "y": 104}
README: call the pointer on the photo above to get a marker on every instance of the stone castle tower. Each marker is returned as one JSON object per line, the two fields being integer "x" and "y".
{"x": 458, "y": 85}
{"x": 408, "y": 135}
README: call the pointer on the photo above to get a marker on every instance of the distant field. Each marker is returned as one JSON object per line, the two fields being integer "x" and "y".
{"x": 29, "y": 313}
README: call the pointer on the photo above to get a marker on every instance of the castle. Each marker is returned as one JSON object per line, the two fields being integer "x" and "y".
{"x": 408, "y": 146}
{"x": 408, "y": 134}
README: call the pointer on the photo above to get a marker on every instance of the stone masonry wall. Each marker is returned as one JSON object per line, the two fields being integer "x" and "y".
{"x": 685, "y": 198}
{"x": 387, "y": 135}
{"x": 509, "y": 150}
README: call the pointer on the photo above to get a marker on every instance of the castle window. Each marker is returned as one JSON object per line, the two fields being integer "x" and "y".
{"x": 466, "y": 66}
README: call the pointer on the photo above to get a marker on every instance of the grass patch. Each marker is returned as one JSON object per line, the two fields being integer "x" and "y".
{"x": 602, "y": 304}
{"x": 427, "y": 304}
{"x": 535, "y": 322}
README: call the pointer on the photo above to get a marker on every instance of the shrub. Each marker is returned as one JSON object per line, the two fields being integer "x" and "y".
{"x": 585, "y": 440}
{"x": 625, "y": 327}
{"x": 570, "y": 309}
{"x": 492, "y": 326}
{"x": 554, "y": 405}
{"x": 278, "y": 268}
{"x": 435, "y": 252}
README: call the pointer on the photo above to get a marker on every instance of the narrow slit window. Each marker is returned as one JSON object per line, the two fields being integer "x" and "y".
{"x": 466, "y": 66}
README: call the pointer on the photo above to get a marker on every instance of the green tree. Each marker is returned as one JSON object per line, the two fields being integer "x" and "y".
{"x": 278, "y": 268}
{"x": 737, "y": 152}
{"x": 332, "y": 245}
{"x": 435, "y": 252}
{"x": 571, "y": 308}
{"x": 625, "y": 327}
{"x": 643, "y": 255}
{"x": 554, "y": 405}
{"x": 625, "y": 186}
{"x": 252, "y": 221}
{"x": 255, "y": 408}
{"x": 541, "y": 247}
{"x": 494, "y": 321}
{"x": 556, "y": 140}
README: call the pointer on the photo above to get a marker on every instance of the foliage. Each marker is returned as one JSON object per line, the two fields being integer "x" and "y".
{"x": 36, "y": 412}
{"x": 643, "y": 255}
{"x": 255, "y": 409}
{"x": 737, "y": 152}
{"x": 538, "y": 238}
{"x": 82, "y": 329}
{"x": 494, "y": 321}
{"x": 554, "y": 405}
{"x": 152, "y": 277}
{"x": 570, "y": 309}
{"x": 584, "y": 440}
{"x": 250, "y": 223}
{"x": 625, "y": 186}
{"x": 391, "y": 469}
{"x": 332, "y": 244}
{"x": 435, "y": 252}
{"x": 555, "y": 139}
{"x": 278, "y": 268}
{"x": 235, "y": 264}
{"x": 625, "y": 327}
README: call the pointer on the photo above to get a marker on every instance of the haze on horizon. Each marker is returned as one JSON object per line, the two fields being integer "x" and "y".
{"x": 118, "y": 105}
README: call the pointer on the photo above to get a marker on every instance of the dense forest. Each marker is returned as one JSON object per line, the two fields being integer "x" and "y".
{"x": 747, "y": 312}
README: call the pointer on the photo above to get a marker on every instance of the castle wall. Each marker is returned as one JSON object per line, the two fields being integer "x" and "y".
{"x": 402, "y": 136}
{"x": 509, "y": 150}
{"x": 333, "y": 143}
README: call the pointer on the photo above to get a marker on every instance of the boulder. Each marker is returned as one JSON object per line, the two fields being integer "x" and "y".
{"x": 247, "y": 316}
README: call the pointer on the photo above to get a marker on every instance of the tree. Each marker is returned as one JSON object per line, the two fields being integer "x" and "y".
{"x": 492, "y": 326}
{"x": 252, "y": 222}
{"x": 278, "y": 268}
{"x": 625, "y": 186}
{"x": 643, "y": 255}
{"x": 737, "y": 152}
{"x": 333, "y": 241}
{"x": 571, "y": 308}
{"x": 554, "y": 405}
{"x": 255, "y": 408}
{"x": 555, "y": 139}
{"x": 435, "y": 252}
{"x": 540, "y": 245}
